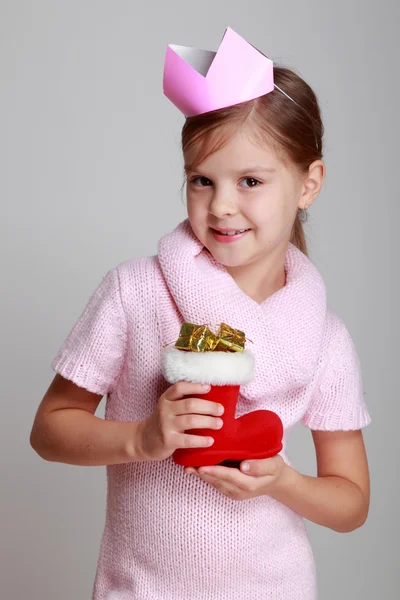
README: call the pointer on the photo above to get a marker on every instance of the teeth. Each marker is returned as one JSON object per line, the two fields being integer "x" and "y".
{"x": 233, "y": 232}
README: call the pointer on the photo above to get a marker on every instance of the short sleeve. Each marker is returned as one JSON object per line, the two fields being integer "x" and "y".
{"x": 92, "y": 355}
{"x": 338, "y": 401}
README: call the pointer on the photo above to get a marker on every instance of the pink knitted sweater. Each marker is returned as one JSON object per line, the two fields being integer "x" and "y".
{"x": 171, "y": 536}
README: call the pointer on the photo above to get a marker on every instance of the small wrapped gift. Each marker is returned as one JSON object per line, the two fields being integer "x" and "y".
{"x": 199, "y": 338}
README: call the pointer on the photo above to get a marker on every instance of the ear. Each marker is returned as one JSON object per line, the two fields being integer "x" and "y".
{"x": 312, "y": 183}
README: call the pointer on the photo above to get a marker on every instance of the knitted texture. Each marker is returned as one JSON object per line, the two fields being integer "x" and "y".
{"x": 171, "y": 536}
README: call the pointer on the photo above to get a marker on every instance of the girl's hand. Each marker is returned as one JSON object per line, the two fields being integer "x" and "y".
{"x": 162, "y": 433}
{"x": 262, "y": 478}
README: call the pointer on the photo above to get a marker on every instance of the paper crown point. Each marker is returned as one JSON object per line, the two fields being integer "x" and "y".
{"x": 199, "y": 81}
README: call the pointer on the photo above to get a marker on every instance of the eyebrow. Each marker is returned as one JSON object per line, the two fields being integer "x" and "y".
{"x": 258, "y": 168}
{"x": 250, "y": 169}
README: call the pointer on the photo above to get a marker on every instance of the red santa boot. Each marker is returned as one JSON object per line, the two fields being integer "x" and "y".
{"x": 257, "y": 434}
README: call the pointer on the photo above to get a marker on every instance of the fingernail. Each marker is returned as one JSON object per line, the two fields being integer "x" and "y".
{"x": 210, "y": 441}
{"x": 245, "y": 466}
{"x": 206, "y": 388}
{"x": 219, "y": 423}
{"x": 204, "y": 471}
{"x": 220, "y": 410}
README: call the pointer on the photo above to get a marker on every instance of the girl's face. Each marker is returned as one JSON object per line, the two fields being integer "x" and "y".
{"x": 244, "y": 186}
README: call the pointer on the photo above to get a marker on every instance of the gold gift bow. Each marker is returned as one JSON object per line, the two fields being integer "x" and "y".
{"x": 199, "y": 338}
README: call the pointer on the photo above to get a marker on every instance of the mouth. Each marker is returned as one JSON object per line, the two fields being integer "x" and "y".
{"x": 228, "y": 235}
{"x": 229, "y": 231}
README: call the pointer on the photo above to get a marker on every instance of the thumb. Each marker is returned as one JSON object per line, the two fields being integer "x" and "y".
{"x": 261, "y": 467}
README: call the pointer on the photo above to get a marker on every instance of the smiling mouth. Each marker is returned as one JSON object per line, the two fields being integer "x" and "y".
{"x": 228, "y": 237}
{"x": 229, "y": 232}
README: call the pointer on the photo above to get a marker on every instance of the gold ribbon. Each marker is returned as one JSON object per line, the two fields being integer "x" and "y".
{"x": 200, "y": 338}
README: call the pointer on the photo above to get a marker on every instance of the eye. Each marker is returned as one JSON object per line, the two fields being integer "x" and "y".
{"x": 204, "y": 181}
{"x": 252, "y": 182}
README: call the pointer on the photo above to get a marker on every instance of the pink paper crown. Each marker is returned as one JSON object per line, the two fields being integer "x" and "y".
{"x": 198, "y": 81}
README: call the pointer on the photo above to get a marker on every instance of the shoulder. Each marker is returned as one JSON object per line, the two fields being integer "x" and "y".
{"x": 338, "y": 346}
{"x": 136, "y": 272}
{"x": 336, "y": 329}
{"x": 138, "y": 280}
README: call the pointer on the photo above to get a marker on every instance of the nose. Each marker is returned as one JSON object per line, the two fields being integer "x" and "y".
{"x": 222, "y": 203}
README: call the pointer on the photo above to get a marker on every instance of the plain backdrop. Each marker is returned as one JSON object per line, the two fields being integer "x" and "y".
{"x": 91, "y": 173}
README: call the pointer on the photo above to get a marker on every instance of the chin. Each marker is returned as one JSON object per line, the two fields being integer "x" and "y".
{"x": 228, "y": 260}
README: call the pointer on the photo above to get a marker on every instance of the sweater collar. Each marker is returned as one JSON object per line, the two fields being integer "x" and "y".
{"x": 286, "y": 329}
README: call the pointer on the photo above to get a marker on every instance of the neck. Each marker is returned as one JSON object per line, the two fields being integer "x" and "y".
{"x": 261, "y": 279}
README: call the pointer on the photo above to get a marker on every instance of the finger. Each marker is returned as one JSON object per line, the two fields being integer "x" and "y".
{"x": 197, "y": 406}
{"x": 185, "y": 388}
{"x": 261, "y": 467}
{"x": 232, "y": 491}
{"x": 228, "y": 476}
{"x": 190, "y": 471}
{"x": 187, "y": 422}
{"x": 187, "y": 440}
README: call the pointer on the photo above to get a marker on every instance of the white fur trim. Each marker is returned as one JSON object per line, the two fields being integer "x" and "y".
{"x": 216, "y": 368}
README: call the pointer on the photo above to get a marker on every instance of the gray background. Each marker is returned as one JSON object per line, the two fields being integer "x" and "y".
{"x": 90, "y": 176}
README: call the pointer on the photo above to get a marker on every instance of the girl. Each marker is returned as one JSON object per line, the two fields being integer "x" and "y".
{"x": 218, "y": 533}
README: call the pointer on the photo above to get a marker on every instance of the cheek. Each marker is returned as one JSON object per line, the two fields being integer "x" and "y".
{"x": 267, "y": 209}
{"x": 192, "y": 208}
{"x": 197, "y": 209}
{"x": 272, "y": 217}
{"x": 197, "y": 216}
{"x": 194, "y": 203}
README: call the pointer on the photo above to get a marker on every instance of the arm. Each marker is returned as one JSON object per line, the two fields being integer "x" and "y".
{"x": 91, "y": 358}
{"x": 66, "y": 429}
{"x": 339, "y": 496}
